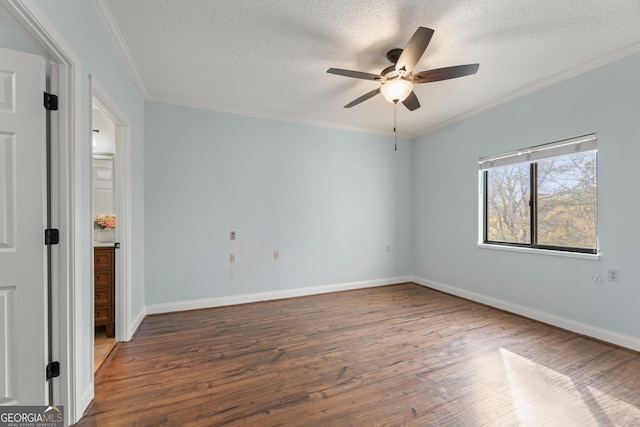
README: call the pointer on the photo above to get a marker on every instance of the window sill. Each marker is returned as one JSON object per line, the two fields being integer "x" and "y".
{"x": 578, "y": 255}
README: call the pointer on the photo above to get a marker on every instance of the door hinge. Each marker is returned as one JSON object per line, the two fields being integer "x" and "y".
{"x": 50, "y": 101}
{"x": 53, "y": 370}
{"x": 51, "y": 236}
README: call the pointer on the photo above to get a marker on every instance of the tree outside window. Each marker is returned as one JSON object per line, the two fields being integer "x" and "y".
{"x": 549, "y": 204}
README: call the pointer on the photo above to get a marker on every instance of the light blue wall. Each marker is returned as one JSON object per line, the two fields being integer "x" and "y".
{"x": 606, "y": 101}
{"x": 81, "y": 29}
{"x": 13, "y": 36}
{"x": 330, "y": 201}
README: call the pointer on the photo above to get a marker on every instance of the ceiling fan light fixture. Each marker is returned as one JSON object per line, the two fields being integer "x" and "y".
{"x": 396, "y": 91}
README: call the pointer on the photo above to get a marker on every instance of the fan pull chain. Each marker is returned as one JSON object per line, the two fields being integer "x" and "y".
{"x": 395, "y": 119}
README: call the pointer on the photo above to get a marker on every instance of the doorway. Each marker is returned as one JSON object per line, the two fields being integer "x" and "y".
{"x": 103, "y": 144}
{"x": 111, "y": 193}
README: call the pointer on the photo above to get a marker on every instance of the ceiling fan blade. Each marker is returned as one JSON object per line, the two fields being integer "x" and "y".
{"x": 444, "y": 73}
{"x": 411, "y": 102}
{"x": 414, "y": 49}
{"x": 354, "y": 74}
{"x": 363, "y": 98}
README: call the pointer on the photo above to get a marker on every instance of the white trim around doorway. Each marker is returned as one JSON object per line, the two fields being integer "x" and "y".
{"x": 66, "y": 173}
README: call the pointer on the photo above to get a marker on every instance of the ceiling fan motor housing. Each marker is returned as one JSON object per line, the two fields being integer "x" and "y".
{"x": 389, "y": 72}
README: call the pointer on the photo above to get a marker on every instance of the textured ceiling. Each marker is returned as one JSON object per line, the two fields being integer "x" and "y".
{"x": 269, "y": 58}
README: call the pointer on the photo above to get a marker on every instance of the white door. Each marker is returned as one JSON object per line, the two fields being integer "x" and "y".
{"x": 23, "y": 304}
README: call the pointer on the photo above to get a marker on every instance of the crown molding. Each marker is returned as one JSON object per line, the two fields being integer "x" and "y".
{"x": 537, "y": 86}
{"x": 105, "y": 14}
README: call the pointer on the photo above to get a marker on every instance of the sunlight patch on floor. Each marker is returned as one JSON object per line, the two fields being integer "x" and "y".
{"x": 542, "y": 396}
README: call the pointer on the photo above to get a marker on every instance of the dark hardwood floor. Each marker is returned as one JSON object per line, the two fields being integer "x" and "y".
{"x": 400, "y": 355}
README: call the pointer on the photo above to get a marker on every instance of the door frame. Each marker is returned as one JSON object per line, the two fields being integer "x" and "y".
{"x": 122, "y": 192}
{"x": 66, "y": 168}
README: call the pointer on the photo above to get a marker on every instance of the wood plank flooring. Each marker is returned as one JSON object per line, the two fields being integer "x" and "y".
{"x": 400, "y": 355}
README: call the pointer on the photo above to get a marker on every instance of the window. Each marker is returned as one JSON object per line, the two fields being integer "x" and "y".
{"x": 542, "y": 197}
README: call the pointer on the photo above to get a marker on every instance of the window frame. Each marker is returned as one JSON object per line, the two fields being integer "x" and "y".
{"x": 533, "y": 199}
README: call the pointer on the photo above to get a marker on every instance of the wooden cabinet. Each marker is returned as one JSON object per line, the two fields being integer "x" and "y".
{"x": 104, "y": 265}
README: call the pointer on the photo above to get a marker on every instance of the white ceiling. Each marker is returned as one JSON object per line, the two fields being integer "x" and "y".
{"x": 268, "y": 58}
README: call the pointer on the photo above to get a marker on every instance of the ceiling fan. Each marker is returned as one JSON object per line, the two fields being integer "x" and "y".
{"x": 398, "y": 79}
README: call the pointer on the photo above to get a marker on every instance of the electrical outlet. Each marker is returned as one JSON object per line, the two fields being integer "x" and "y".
{"x": 276, "y": 255}
{"x": 232, "y": 258}
{"x": 614, "y": 275}
{"x": 232, "y": 235}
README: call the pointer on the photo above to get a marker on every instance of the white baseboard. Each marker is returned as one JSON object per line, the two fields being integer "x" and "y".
{"x": 598, "y": 333}
{"x": 85, "y": 400}
{"x": 267, "y": 296}
{"x": 133, "y": 327}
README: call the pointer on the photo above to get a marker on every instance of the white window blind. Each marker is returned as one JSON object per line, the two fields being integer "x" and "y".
{"x": 541, "y": 152}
